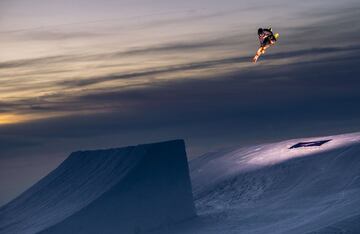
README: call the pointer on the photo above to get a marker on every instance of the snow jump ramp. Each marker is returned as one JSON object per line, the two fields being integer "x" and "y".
{"x": 124, "y": 190}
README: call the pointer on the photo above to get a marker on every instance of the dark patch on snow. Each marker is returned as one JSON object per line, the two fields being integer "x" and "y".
{"x": 309, "y": 144}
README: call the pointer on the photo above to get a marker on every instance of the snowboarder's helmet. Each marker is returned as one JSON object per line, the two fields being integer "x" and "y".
{"x": 276, "y": 35}
{"x": 260, "y": 31}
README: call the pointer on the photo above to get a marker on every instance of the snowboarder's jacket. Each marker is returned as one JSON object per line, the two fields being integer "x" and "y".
{"x": 266, "y": 36}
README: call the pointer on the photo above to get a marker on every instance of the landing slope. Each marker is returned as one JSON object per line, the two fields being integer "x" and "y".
{"x": 273, "y": 188}
{"x": 125, "y": 190}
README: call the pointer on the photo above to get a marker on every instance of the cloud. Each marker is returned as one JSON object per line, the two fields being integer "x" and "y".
{"x": 270, "y": 94}
{"x": 205, "y": 64}
{"x": 34, "y": 61}
{"x": 49, "y": 35}
{"x": 163, "y": 48}
{"x": 62, "y": 102}
{"x": 11, "y": 143}
{"x": 317, "y": 86}
{"x": 173, "y": 47}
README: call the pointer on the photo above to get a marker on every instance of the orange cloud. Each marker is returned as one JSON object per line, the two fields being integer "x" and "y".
{"x": 11, "y": 118}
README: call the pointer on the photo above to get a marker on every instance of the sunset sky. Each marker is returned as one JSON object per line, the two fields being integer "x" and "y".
{"x": 97, "y": 74}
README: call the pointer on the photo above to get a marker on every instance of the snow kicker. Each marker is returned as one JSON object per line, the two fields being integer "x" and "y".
{"x": 124, "y": 190}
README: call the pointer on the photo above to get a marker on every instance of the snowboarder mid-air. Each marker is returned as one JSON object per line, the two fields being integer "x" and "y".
{"x": 267, "y": 38}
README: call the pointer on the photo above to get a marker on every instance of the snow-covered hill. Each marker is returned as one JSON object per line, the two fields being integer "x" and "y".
{"x": 273, "y": 189}
{"x": 126, "y": 190}
{"x": 285, "y": 187}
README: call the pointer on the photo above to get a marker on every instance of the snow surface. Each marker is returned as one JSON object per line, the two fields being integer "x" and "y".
{"x": 273, "y": 189}
{"x": 130, "y": 189}
{"x": 267, "y": 188}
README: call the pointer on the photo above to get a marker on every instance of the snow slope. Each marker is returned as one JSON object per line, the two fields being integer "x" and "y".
{"x": 267, "y": 188}
{"x": 273, "y": 189}
{"x": 126, "y": 190}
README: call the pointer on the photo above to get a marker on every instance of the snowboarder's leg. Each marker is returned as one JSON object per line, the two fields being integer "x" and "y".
{"x": 258, "y": 53}
{"x": 255, "y": 58}
{"x": 264, "y": 48}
